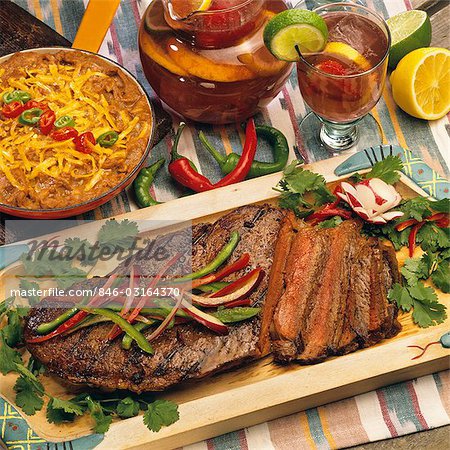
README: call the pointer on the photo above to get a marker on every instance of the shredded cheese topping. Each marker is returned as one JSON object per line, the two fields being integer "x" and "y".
{"x": 26, "y": 154}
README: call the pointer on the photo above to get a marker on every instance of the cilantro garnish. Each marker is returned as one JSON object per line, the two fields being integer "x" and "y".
{"x": 387, "y": 170}
{"x": 160, "y": 413}
{"x": 103, "y": 408}
{"x": 118, "y": 234}
{"x": 427, "y": 311}
{"x": 296, "y": 183}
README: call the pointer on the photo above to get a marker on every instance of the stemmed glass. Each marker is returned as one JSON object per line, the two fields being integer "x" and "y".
{"x": 345, "y": 81}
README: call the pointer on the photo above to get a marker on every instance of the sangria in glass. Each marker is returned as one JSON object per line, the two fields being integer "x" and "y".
{"x": 211, "y": 65}
{"x": 345, "y": 81}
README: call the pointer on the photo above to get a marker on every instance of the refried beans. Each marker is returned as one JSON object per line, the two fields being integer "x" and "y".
{"x": 38, "y": 171}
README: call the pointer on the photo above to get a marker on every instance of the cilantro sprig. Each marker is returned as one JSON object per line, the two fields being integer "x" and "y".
{"x": 296, "y": 184}
{"x": 103, "y": 408}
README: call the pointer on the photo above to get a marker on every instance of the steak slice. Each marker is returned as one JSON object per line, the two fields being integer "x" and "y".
{"x": 187, "y": 351}
{"x": 334, "y": 299}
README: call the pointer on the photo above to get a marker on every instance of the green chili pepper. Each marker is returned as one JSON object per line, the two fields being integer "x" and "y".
{"x": 16, "y": 96}
{"x": 128, "y": 340}
{"x": 213, "y": 287}
{"x": 46, "y": 328}
{"x": 127, "y": 327}
{"x": 223, "y": 255}
{"x": 143, "y": 183}
{"x": 232, "y": 315}
{"x": 30, "y": 116}
{"x": 279, "y": 146}
{"x": 107, "y": 139}
{"x": 64, "y": 121}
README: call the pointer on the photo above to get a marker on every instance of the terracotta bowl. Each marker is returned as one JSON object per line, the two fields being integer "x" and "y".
{"x": 81, "y": 208}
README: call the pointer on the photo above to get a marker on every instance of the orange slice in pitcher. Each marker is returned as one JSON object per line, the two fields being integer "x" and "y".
{"x": 201, "y": 67}
{"x": 155, "y": 52}
{"x": 262, "y": 62}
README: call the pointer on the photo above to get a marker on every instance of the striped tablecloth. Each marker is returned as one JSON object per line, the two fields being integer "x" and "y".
{"x": 390, "y": 412}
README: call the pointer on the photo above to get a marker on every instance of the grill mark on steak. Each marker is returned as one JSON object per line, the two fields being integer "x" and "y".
{"x": 348, "y": 309}
{"x": 187, "y": 351}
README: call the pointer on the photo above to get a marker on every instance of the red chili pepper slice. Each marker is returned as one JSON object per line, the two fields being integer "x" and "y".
{"x": 83, "y": 141}
{"x": 327, "y": 212}
{"x": 64, "y": 134}
{"x": 30, "y": 104}
{"x": 406, "y": 224}
{"x": 47, "y": 121}
{"x": 13, "y": 110}
{"x": 412, "y": 238}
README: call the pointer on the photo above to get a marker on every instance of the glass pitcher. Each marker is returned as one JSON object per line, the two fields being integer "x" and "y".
{"x": 211, "y": 66}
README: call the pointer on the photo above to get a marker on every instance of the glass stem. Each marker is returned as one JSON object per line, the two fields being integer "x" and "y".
{"x": 339, "y": 136}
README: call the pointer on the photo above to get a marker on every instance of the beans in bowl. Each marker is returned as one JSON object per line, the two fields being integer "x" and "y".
{"x": 72, "y": 127}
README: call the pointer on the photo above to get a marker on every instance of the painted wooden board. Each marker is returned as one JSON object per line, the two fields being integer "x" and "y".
{"x": 261, "y": 390}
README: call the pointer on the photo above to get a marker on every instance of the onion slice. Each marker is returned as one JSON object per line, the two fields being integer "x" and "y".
{"x": 167, "y": 320}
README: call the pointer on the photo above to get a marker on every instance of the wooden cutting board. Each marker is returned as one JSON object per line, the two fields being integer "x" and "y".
{"x": 19, "y": 30}
{"x": 262, "y": 390}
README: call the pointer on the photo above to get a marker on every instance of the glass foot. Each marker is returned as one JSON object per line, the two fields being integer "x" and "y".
{"x": 318, "y": 138}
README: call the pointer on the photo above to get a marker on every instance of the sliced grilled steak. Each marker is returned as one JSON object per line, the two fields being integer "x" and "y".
{"x": 335, "y": 295}
{"x": 187, "y": 351}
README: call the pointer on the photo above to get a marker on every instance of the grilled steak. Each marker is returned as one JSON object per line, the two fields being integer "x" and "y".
{"x": 334, "y": 299}
{"x": 187, "y": 351}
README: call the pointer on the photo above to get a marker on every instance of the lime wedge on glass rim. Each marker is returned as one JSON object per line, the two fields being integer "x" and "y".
{"x": 295, "y": 28}
{"x": 410, "y": 30}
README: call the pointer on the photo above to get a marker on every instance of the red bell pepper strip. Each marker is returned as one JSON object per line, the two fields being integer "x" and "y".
{"x": 128, "y": 301}
{"x": 64, "y": 134}
{"x": 183, "y": 170}
{"x": 97, "y": 300}
{"x": 327, "y": 212}
{"x": 46, "y": 121}
{"x": 137, "y": 310}
{"x": 406, "y": 224}
{"x": 240, "y": 172}
{"x": 13, "y": 110}
{"x": 84, "y": 142}
{"x": 240, "y": 264}
{"x": 239, "y": 283}
{"x": 412, "y": 237}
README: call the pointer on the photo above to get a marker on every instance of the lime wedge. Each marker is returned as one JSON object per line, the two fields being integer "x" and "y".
{"x": 410, "y": 30}
{"x": 295, "y": 27}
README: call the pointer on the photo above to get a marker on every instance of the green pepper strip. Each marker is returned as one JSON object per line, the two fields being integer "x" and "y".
{"x": 143, "y": 183}
{"x": 223, "y": 255}
{"x": 136, "y": 335}
{"x": 16, "y": 96}
{"x": 46, "y": 328}
{"x": 107, "y": 139}
{"x": 30, "y": 116}
{"x": 64, "y": 121}
{"x": 213, "y": 287}
{"x": 128, "y": 340}
{"x": 279, "y": 146}
{"x": 233, "y": 315}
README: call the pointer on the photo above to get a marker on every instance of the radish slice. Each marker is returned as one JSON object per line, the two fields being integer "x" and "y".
{"x": 205, "y": 319}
